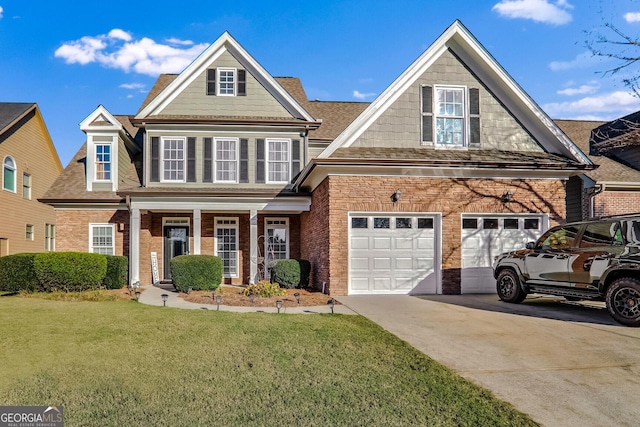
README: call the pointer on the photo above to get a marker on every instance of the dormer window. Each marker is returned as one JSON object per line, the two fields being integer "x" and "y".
{"x": 103, "y": 162}
{"x": 226, "y": 82}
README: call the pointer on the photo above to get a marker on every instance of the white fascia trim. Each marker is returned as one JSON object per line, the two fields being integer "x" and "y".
{"x": 292, "y": 204}
{"x": 617, "y": 185}
{"x": 86, "y": 126}
{"x": 209, "y": 55}
{"x": 88, "y": 207}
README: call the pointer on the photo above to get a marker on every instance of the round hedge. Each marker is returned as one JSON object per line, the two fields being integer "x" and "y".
{"x": 198, "y": 272}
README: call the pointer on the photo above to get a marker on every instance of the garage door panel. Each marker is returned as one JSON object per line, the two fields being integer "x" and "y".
{"x": 381, "y": 243}
{"x": 359, "y": 243}
{"x": 397, "y": 259}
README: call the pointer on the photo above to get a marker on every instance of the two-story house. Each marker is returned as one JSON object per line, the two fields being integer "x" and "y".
{"x": 30, "y": 164}
{"x": 413, "y": 193}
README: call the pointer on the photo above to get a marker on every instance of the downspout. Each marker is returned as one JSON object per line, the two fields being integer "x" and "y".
{"x": 592, "y": 208}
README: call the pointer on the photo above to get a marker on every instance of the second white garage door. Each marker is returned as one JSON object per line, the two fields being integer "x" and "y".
{"x": 488, "y": 235}
{"x": 393, "y": 253}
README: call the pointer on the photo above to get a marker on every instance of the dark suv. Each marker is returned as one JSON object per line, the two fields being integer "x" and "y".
{"x": 591, "y": 260}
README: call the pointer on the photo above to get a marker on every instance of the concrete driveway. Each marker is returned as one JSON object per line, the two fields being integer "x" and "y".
{"x": 564, "y": 364}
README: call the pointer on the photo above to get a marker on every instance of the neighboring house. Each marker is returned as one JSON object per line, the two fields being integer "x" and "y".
{"x": 614, "y": 187}
{"x": 30, "y": 164}
{"x": 413, "y": 193}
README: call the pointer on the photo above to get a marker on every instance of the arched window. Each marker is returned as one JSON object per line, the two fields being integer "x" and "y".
{"x": 9, "y": 174}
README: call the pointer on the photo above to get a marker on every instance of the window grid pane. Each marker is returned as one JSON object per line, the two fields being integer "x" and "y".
{"x": 277, "y": 244}
{"x": 278, "y": 166}
{"x": 227, "y": 82}
{"x": 9, "y": 175}
{"x": 227, "y": 249}
{"x": 226, "y": 160}
{"x": 174, "y": 159}
{"x": 29, "y": 232}
{"x": 103, "y": 162}
{"x": 102, "y": 240}
{"x": 450, "y": 117}
{"x": 26, "y": 186}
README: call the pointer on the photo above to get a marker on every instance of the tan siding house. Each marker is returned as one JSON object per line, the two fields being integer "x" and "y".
{"x": 30, "y": 165}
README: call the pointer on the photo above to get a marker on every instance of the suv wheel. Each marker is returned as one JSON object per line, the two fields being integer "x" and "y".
{"x": 623, "y": 301}
{"x": 508, "y": 287}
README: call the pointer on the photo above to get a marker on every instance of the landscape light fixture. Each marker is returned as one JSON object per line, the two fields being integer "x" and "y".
{"x": 297, "y": 295}
{"x": 396, "y": 196}
{"x": 213, "y": 295}
{"x": 189, "y": 290}
{"x": 251, "y": 298}
{"x": 331, "y": 303}
{"x": 279, "y": 305}
{"x": 165, "y": 297}
{"x": 137, "y": 295}
{"x": 218, "y": 301}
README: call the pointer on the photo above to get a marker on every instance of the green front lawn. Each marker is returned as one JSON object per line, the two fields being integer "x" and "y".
{"x": 122, "y": 363}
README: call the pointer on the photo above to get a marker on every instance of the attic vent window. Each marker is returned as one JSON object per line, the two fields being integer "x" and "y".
{"x": 226, "y": 82}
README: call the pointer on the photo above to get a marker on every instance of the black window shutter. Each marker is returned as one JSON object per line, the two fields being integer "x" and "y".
{"x": 191, "y": 159}
{"x": 155, "y": 159}
{"x": 207, "y": 175}
{"x": 474, "y": 118}
{"x": 244, "y": 160}
{"x": 427, "y": 114}
{"x": 295, "y": 158}
{"x": 211, "y": 81}
{"x": 260, "y": 160}
{"x": 242, "y": 83}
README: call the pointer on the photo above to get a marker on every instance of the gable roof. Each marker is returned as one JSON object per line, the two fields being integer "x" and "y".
{"x": 224, "y": 43}
{"x": 609, "y": 170}
{"x": 11, "y": 112}
{"x": 477, "y": 59}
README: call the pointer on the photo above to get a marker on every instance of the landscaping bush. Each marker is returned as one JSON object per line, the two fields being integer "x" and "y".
{"x": 117, "y": 272}
{"x": 17, "y": 273}
{"x": 198, "y": 272}
{"x": 265, "y": 289}
{"x": 291, "y": 273}
{"x": 70, "y": 271}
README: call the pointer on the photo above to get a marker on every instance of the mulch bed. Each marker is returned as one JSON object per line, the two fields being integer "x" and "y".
{"x": 232, "y": 295}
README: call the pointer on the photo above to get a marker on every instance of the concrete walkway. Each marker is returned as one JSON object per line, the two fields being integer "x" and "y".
{"x": 152, "y": 295}
{"x": 564, "y": 364}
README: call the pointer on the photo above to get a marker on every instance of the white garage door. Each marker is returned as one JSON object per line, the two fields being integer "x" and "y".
{"x": 392, "y": 254}
{"x": 486, "y": 236}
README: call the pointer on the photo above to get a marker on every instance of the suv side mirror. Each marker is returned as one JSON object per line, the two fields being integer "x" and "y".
{"x": 531, "y": 245}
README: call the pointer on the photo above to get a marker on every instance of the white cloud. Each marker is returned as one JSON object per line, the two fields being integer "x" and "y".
{"x": 618, "y": 103}
{"x": 631, "y": 17}
{"x": 174, "y": 40}
{"x": 537, "y": 10}
{"x": 132, "y": 86}
{"x": 1, "y": 10}
{"x": 360, "y": 95}
{"x": 118, "y": 49}
{"x": 580, "y": 90}
{"x": 583, "y": 60}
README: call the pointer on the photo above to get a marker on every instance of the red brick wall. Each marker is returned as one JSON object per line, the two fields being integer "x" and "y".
{"x": 616, "y": 203}
{"x": 72, "y": 229}
{"x": 326, "y": 225}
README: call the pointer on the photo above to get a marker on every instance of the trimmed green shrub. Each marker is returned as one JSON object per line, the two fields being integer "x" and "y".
{"x": 291, "y": 273}
{"x": 117, "y": 272}
{"x": 265, "y": 289}
{"x": 198, "y": 272}
{"x": 17, "y": 273}
{"x": 70, "y": 271}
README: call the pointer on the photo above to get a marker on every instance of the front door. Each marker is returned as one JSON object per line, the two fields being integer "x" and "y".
{"x": 176, "y": 242}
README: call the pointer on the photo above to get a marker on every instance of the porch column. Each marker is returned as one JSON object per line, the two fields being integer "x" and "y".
{"x": 134, "y": 246}
{"x": 253, "y": 239}
{"x": 197, "y": 227}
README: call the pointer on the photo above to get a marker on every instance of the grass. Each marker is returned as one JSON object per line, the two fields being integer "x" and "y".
{"x": 123, "y": 363}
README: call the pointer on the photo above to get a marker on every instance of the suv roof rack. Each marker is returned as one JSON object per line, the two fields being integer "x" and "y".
{"x": 634, "y": 214}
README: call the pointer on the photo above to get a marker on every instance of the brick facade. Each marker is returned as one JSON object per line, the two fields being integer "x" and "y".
{"x": 325, "y": 227}
{"x": 616, "y": 203}
{"x": 72, "y": 229}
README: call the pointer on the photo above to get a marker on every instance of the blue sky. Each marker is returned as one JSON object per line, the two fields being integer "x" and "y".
{"x": 71, "y": 56}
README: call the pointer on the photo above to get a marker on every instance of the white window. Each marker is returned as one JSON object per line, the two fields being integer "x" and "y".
{"x": 226, "y": 245}
{"x": 227, "y": 81}
{"x": 450, "y": 109}
{"x": 173, "y": 159}
{"x": 102, "y": 238}
{"x": 29, "y": 232}
{"x": 49, "y": 237}
{"x": 278, "y": 160}
{"x": 226, "y": 160}
{"x": 9, "y": 174}
{"x": 103, "y": 162}
{"x": 276, "y": 239}
{"x": 26, "y": 186}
